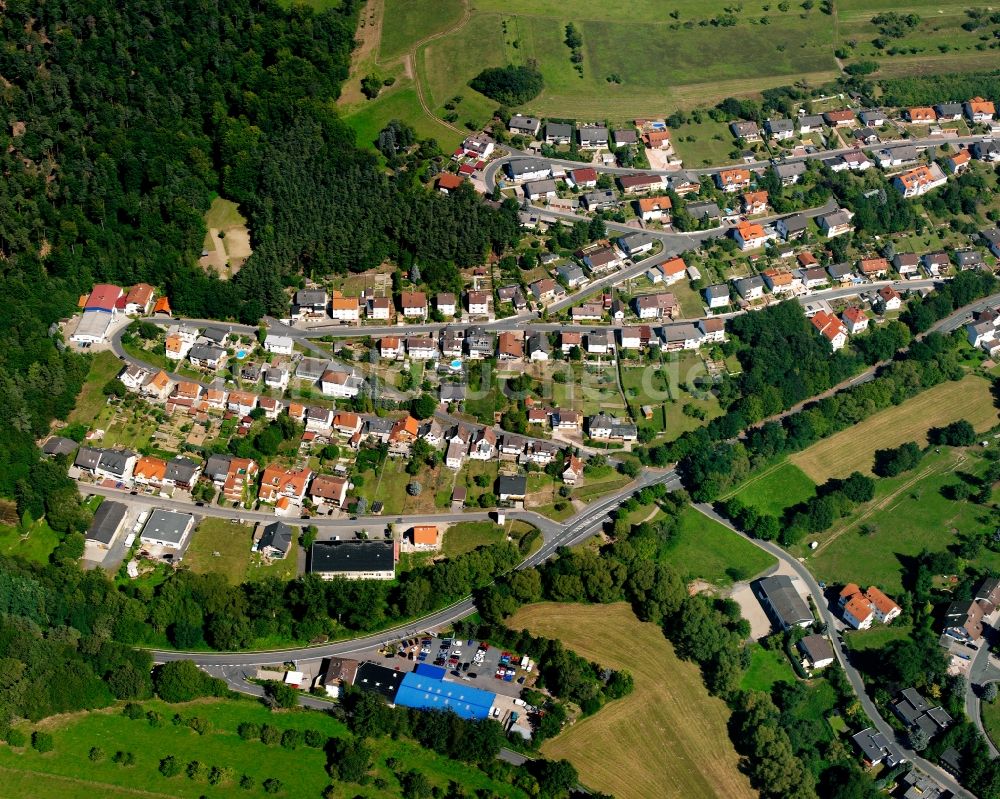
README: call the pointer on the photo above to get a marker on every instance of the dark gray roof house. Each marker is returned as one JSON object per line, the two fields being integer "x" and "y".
{"x": 949, "y": 110}
{"x": 87, "y": 458}
{"x": 206, "y": 352}
{"x": 969, "y": 259}
{"x": 217, "y": 467}
{"x": 916, "y": 712}
{"x": 790, "y": 172}
{"x": 524, "y": 125}
{"x": 746, "y": 286}
{"x": 872, "y": 117}
{"x": 811, "y": 121}
{"x": 108, "y": 519}
{"x": 571, "y": 273}
{"x": 352, "y": 558}
{"x": 625, "y": 136}
{"x": 276, "y": 539}
{"x": 311, "y": 298}
{"x": 716, "y": 292}
{"x": 512, "y": 486}
{"x": 991, "y": 238}
{"x": 116, "y": 461}
{"x": 216, "y": 335}
{"x": 745, "y": 130}
{"x": 311, "y": 368}
{"x": 181, "y": 471}
{"x": 593, "y": 135}
{"x": 452, "y": 392}
{"x": 58, "y": 445}
{"x": 599, "y": 200}
{"x": 876, "y": 748}
{"x": 703, "y": 210}
{"x": 841, "y": 271}
{"x": 527, "y": 166}
{"x": 779, "y": 127}
{"x": 379, "y": 680}
{"x": 558, "y": 132}
{"x": 780, "y": 598}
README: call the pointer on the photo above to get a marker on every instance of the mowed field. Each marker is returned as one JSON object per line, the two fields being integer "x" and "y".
{"x": 854, "y": 448}
{"x": 668, "y": 738}
{"x": 775, "y": 488}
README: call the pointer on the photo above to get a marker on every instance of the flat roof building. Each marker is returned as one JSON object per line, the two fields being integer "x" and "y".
{"x": 166, "y": 528}
{"x": 353, "y": 560}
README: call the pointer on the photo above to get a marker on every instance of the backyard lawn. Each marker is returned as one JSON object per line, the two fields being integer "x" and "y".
{"x": 91, "y": 399}
{"x": 37, "y": 544}
{"x": 667, "y": 738}
{"x": 766, "y": 668}
{"x": 219, "y": 545}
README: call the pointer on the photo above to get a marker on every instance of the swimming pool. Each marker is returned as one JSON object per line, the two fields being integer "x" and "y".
{"x": 241, "y": 354}
{"x": 456, "y": 365}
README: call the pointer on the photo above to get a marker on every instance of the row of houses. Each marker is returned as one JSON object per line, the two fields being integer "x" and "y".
{"x": 106, "y": 303}
{"x": 317, "y": 304}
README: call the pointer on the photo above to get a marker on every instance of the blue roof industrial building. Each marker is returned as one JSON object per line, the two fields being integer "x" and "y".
{"x": 426, "y": 689}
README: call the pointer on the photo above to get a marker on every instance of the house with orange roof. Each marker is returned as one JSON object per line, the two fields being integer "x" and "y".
{"x": 921, "y": 115}
{"x": 919, "y": 180}
{"x": 843, "y": 118}
{"x": 447, "y": 182}
{"x": 755, "y": 202}
{"x": 345, "y": 309}
{"x": 979, "y": 110}
{"x": 424, "y": 536}
{"x": 149, "y": 470}
{"x": 242, "y": 474}
{"x": 781, "y": 281}
{"x": 889, "y": 299}
{"x": 872, "y": 268}
{"x": 733, "y": 180}
{"x": 215, "y": 398}
{"x": 657, "y": 139}
{"x": 750, "y": 235}
{"x": 673, "y": 271}
{"x": 271, "y": 406}
{"x": 241, "y": 402}
{"x": 414, "y": 304}
{"x": 329, "y": 490}
{"x": 573, "y": 470}
{"x": 831, "y": 328}
{"x": 855, "y": 320}
{"x": 188, "y": 390}
{"x": 139, "y": 299}
{"x": 297, "y": 410}
{"x": 885, "y": 609}
{"x": 278, "y": 482}
{"x": 179, "y": 343}
{"x": 389, "y": 347}
{"x": 861, "y": 609}
{"x": 959, "y": 162}
{"x": 652, "y": 209}
{"x": 159, "y": 386}
{"x": 346, "y": 423}
{"x": 162, "y": 307}
{"x": 510, "y": 346}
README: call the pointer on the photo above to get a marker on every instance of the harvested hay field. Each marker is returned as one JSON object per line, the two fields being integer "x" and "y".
{"x": 227, "y": 242}
{"x": 668, "y": 738}
{"x": 854, "y": 448}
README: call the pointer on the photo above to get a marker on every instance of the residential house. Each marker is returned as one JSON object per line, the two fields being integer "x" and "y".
{"x": 948, "y": 112}
{"x": 599, "y": 259}
{"x": 979, "y": 110}
{"x": 842, "y": 273}
{"x": 271, "y": 406}
{"x": 571, "y": 274}
{"x": 600, "y": 200}
{"x": 733, "y": 180}
{"x": 780, "y": 129}
{"x": 969, "y": 259}
{"x": 167, "y": 529}
{"x": 325, "y": 489}
{"x": 511, "y": 488}
{"x": 58, "y": 445}
{"x": 817, "y": 652}
{"x": 279, "y": 345}
{"x": 345, "y": 309}
{"x": 897, "y": 156}
{"x": 639, "y": 184}
{"x": 593, "y": 136}
{"x": 478, "y": 303}
{"x": 479, "y": 345}
{"x": 540, "y": 453}
{"x": 920, "y": 180}
{"x": 538, "y": 347}
{"x": 510, "y": 346}
{"x": 354, "y": 560}
{"x": 379, "y": 308}
{"x": 277, "y": 482}
{"x": 134, "y": 377}
{"x": 565, "y": 420}
{"x": 539, "y": 189}
{"x": 656, "y": 306}
{"x": 877, "y": 749}
{"x": 447, "y": 182}
{"x": 673, "y": 271}
{"x": 713, "y": 331}
{"x": 920, "y": 115}
{"x": 625, "y": 136}
{"x": 479, "y": 144}
{"x": 514, "y": 296}
{"x": 310, "y": 303}
{"x": 390, "y": 347}
{"x": 585, "y": 178}
{"x": 603, "y": 427}
{"x": 683, "y": 182}
{"x": 588, "y": 312}
{"x": 935, "y": 262}
{"x": 241, "y": 402}
{"x": 636, "y": 244}
{"x": 568, "y": 340}
{"x": 958, "y": 162}
{"x": 748, "y": 131}
{"x": 705, "y": 210}
{"x": 424, "y": 536}
{"x": 379, "y": 430}
{"x": 179, "y": 342}
{"x": 139, "y": 299}
{"x": 872, "y": 117}
{"x": 991, "y": 238}
{"x": 836, "y": 224}
{"x": 600, "y": 342}
{"x": 839, "y": 119}
{"x": 275, "y": 540}
{"x": 558, "y": 133}
{"x": 889, "y": 299}
{"x": 524, "y": 126}
{"x": 414, "y": 304}
{"x": 872, "y": 268}
{"x": 116, "y": 464}
{"x": 149, "y": 470}
{"x": 781, "y": 281}
{"x": 855, "y": 320}
{"x": 207, "y": 357}
{"x": 682, "y": 336}
{"x": 792, "y": 227}
{"x": 810, "y": 122}
{"x": 340, "y": 382}
{"x": 754, "y": 202}
{"x": 652, "y": 209}
{"x": 572, "y": 471}
{"x": 986, "y": 150}
{"x": 906, "y": 263}
{"x": 104, "y": 298}
{"x": 917, "y": 713}
{"x": 544, "y": 290}
{"x": 716, "y": 296}
{"x": 831, "y": 328}
{"x": 856, "y": 161}
{"x": 814, "y": 278}
{"x": 347, "y": 424}
{"x": 789, "y": 173}
{"x": 421, "y": 348}
{"x": 319, "y": 420}
{"x": 750, "y": 235}
{"x": 865, "y": 136}
{"x": 512, "y": 446}
{"x": 750, "y": 288}
{"x": 657, "y": 139}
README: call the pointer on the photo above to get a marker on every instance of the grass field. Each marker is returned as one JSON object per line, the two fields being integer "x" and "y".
{"x": 909, "y": 514}
{"x": 410, "y": 21}
{"x": 991, "y": 719}
{"x": 766, "y": 668}
{"x": 775, "y": 488}
{"x": 666, "y": 739}
{"x": 67, "y": 771}
{"x": 854, "y": 448}
{"x": 466, "y": 536}
{"x": 36, "y": 545}
{"x": 403, "y": 104}
{"x": 877, "y": 637}
{"x": 91, "y": 400}
{"x": 705, "y": 550}
{"x": 230, "y": 541}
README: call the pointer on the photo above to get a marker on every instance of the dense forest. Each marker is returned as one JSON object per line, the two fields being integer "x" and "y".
{"x": 123, "y": 120}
